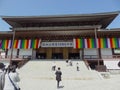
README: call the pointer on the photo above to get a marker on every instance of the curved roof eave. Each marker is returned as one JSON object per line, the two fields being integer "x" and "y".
{"x": 103, "y": 19}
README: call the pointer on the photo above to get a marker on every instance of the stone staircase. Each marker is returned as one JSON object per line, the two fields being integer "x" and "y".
{"x": 42, "y": 70}
{"x": 36, "y": 73}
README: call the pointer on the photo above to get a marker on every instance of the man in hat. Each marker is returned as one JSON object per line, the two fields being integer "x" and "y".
{"x": 2, "y": 76}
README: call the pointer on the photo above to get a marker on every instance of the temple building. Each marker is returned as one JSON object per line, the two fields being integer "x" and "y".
{"x": 77, "y": 37}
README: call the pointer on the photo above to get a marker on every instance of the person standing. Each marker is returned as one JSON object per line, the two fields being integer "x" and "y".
{"x": 77, "y": 66}
{"x": 53, "y": 66}
{"x": 2, "y": 76}
{"x": 11, "y": 79}
{"x": 58, "y": 74}
{"x": 70, "y": 63}
{"x": 67, "y": 62}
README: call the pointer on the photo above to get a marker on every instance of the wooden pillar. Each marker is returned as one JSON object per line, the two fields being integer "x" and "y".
{"x": 65, "y": 53}
{"x": 49, "y": 53}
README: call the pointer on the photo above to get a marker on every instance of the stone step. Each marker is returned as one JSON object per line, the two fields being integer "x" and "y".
{"x": 42, "y": 69}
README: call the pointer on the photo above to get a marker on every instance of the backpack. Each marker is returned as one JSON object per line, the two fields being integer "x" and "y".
{"x": 2, "y": 80}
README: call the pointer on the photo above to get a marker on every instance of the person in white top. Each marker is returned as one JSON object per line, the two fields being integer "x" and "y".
{"x": 2, "y": 76}
{"x": 53, "y": 66}
{"x": 11, "y": 79}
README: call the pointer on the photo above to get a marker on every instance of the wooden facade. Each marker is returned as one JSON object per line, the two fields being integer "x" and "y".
{"x": 61, "y": 28}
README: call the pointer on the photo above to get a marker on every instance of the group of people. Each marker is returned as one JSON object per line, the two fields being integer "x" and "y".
{"x": 69, "y": 62}
{"x": 58, "y": 72}
{"x": 9, "y": 77}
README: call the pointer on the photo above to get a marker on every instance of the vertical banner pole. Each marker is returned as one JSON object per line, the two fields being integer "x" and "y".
{"x": 96, "y": 45}
{"x": 11, "y": 56}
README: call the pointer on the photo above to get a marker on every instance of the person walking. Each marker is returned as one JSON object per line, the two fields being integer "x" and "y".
{"x": 11, "y": 79}
{"x": 2, "y": 76}
{"x": 58, "y": 74}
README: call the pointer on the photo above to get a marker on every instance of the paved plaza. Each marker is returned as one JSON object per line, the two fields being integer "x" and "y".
{"x": 41, "y": 84}
{"x": 37, "y": 75}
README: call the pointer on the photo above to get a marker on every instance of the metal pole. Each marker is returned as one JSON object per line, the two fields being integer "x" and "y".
{"x": 11, "y": 56}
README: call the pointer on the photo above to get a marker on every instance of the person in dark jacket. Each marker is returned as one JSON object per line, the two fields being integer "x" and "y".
{"x": 58, "y": 74}
{"x": 77, "y": 66}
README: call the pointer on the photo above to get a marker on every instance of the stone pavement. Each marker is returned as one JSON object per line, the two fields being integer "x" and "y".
{"x": 73, "y": 85}
{"x": 44, "y": 84}
{"x": 37, "y": 75}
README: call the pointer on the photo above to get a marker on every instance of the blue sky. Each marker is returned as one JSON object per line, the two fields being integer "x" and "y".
{"x": 56, "y": 7}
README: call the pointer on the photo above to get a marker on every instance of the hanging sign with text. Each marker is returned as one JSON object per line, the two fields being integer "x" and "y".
{"x": 57, "y": 44}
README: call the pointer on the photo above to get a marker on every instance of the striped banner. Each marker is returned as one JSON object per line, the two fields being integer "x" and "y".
{"x": 20, "y": 44}
{"x": 91, "y": 43}
{"x": 15, "y": 45}
{"x": 79, "y": 43}
{"x": 85, "y": 43}
{"x": 119, "y": 42}
{"x": 27, "y": 43}
{"x": 114, "y": 42}
{"x": 6, "y": 44}
{"x": 102, "y": 43}
{"x": 35, "y": 43}
{"x": 99, "y": 43}
{"x": 9, "y": 44}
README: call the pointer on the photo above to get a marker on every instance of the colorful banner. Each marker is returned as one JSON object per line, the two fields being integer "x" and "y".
{"x": 79, "y": 43}
{"x": 102, "y": 42}
{"x": 97, "y": 43}
{"x": 20, "y": 44}
{"x": 85, "y": 43}
{"x": 91, "y": 43}
{"x": 25, "y": 44}
{"x": 6, "y": 44}
{"x": 35, "y": 43}
{"x": 114, "y": 42}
